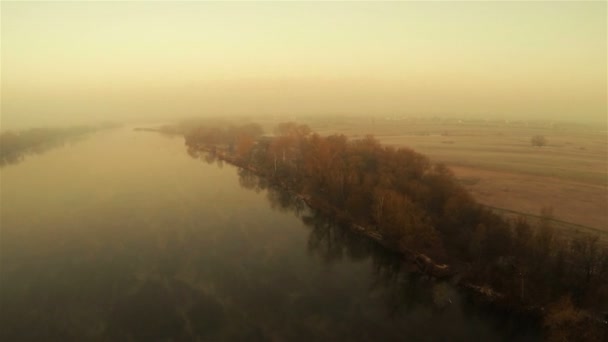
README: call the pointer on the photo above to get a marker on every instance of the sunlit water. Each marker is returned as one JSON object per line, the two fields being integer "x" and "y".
{"x": 124, "y": 236}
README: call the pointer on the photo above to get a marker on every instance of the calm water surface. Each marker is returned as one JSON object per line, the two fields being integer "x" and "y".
{"x": 124, "y": 236}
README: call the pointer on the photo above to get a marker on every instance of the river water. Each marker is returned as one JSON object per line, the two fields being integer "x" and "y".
{"x": 125, "y": 236}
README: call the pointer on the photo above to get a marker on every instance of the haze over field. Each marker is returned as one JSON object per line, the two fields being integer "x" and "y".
{"x": 75, "y": 62}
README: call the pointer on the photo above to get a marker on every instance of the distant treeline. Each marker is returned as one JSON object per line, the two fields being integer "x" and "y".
{"x": 14, "y": 146}
{"x": 417, "y": 207}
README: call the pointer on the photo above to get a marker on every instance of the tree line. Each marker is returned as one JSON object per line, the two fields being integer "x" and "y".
{"x": 15, "y": 145}
{"x": 403, "y": 289}
{"x": 417, "y": 205}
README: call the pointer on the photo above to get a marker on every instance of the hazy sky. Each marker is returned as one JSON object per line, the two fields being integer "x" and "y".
{"x": 79, "y": 61}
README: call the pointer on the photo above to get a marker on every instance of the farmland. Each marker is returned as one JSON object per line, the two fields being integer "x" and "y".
{"x": 496, "y": 161}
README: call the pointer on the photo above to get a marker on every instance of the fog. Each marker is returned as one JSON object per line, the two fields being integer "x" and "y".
{"x": 76, "y": 62}
{"x": 285, "y": 171}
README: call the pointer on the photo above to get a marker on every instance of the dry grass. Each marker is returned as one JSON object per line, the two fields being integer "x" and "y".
{"x": 497, "y": 162}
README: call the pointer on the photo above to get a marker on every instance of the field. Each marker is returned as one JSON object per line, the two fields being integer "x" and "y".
{"x": 496, "y": 161}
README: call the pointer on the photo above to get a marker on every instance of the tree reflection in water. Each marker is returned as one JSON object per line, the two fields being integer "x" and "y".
{"x": 194, "y": 270}
{"x": 333, "y": 241}
{"x": 17, "y": 156}
{"x": 15, "y": 146}
{"x": 404, "y": 292}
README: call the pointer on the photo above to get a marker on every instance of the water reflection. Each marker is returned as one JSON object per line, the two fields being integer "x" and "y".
{"x": 165, "y": 248}
{"x": 333, "y": 242}
{"x": 10, "y": 156}
{"x": 405, "y": 293}
{"x": 165, "y": 310}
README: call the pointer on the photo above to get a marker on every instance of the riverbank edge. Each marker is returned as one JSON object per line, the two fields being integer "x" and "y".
{"x": 417, "y": 262}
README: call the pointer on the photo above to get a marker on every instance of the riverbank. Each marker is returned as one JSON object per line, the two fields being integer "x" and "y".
{"x": 416, "y": 262}
{"x": 16, "y": 145}
{"x": 412, "y": 206}
{"x": 420, "y": 262}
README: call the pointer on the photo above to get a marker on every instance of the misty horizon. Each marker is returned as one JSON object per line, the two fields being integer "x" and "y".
{"x": 72, "y": 63}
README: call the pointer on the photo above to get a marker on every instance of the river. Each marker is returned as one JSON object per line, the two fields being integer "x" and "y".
{"x": 125, "y": 236}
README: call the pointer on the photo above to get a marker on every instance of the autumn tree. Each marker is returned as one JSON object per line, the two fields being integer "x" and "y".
{"x": 402, "y": 221}
{"x": 244, "y": 147}
{"x": 417, "y": 205}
